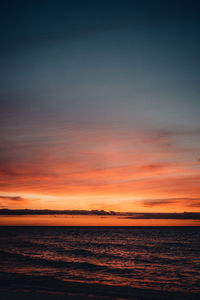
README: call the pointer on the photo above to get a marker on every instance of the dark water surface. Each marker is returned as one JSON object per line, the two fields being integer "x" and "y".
{"x": 148, "y": 262}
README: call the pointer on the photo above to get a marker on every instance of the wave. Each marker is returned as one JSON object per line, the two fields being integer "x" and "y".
{"x": 31, "y": 260}
{"x": 22, "y": 244}
{"x": 51, "y": 263}
{"x": 52, "y": 284}
{"x": 59, "y": 263}
{"x": 93, "y": 254}
{"x": 42, "y": 262}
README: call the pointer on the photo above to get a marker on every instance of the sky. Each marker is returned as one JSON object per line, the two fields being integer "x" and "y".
{"x": 99, "y": 105}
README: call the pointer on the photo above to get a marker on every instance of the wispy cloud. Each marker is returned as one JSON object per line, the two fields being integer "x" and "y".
{"x": 186, "y": 201}
{"x": 164, "y": 133}
{"x": 16, "y": 199}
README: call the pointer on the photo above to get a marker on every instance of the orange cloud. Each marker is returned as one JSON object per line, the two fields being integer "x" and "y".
{"x": 114, "y": 165}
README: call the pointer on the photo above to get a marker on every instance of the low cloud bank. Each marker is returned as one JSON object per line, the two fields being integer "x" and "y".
{"x": 127, "y": 215}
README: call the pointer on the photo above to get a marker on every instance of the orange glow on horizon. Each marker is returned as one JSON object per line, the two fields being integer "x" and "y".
{"x": 103, "y": 169}
{"x": 66, "y": 220}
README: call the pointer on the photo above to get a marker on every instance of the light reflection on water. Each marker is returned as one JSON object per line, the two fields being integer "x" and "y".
{"x": 143, "y": 257}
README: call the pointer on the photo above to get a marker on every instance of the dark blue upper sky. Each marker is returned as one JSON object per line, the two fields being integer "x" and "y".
{"x": 101, "y": 60}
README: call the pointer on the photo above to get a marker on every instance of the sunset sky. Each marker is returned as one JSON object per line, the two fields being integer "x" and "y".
{"x": 99, "y": 105}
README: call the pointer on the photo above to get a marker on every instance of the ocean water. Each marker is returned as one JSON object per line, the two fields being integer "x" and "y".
{"x": 137, "y": 262}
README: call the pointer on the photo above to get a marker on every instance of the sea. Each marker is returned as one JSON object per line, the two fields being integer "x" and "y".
{"x": 111, "y": 262}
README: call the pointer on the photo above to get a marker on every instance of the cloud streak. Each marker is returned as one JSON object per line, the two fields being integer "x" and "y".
{"x": 9, "y": 200}
{"x": 175, "y": 216}
{"x": 190, "y": 202}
